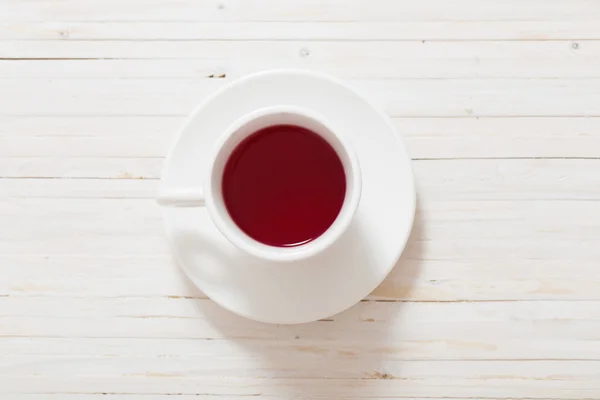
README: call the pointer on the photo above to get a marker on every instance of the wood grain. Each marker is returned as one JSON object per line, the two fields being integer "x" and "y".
{"x": 425, "y": 138}
{"x": 308, "y": 10}
{"x": 274, "y": 31}
{"x": 399, "y": 98}
{"x": 417, "y": 59}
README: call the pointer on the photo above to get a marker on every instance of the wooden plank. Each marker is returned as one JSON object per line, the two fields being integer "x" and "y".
{"x": 166, "y": 355}
{"x": 432, "y": 138}
{"x": 167, "y": 396}
{"x": 399, "y": 98}
{"x": 421, "y": 279}
{"x": 356, "y": 59}
{"x": 308, "y": 10}
{"x": 129, "y": 396}
{"x": 323, "y": 30}
{"x": 418, "y": 59}
{"x": 497, "y": 349}
{"x": 115, "y": 168}
{"x": 532, "y": 376}
{"x": 111, "y": 146}
{"x": 425, "y": 138}
{"x": 111, "y": 245}
{"x": 398, "y": 67}
{"x": 324, "y": 49}
{"x": 156, "y": 317}
{"x": 119, "y": 126}
{"x": 411, "y": 388}
{"x": 79, "y": 188}
{"x": 498, "y": 180}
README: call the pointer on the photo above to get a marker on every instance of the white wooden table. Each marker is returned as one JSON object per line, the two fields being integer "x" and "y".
{"x": 497, "y": 295}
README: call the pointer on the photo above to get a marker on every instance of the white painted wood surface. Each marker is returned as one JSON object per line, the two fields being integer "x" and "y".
{"x": 497, "y": 295}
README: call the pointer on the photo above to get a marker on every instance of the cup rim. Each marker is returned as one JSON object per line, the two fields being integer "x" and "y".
{"x": 239, "y": 238}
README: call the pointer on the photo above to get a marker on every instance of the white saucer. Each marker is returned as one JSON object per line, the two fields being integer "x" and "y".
{"x": 342, "y": 275}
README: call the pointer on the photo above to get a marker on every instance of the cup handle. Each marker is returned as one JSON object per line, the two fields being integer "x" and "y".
{"x": 181, "y": 198}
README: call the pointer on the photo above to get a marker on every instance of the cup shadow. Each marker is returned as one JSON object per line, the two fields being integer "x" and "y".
{"x": 362, "y": 344}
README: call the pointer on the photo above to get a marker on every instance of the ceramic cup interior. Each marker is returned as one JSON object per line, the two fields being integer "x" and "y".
{"x": 212, "y": 194}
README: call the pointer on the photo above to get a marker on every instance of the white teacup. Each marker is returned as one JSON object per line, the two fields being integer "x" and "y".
{"x": 211, "y": 195}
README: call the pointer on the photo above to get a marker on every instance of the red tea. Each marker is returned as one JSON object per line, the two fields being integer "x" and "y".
{"x": 284, "y": 185}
